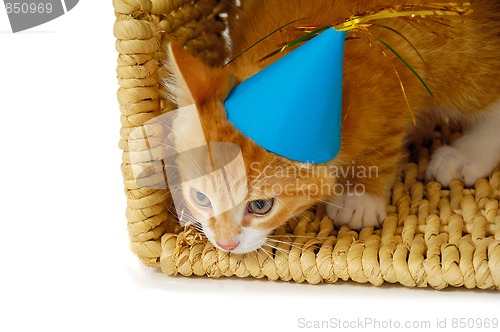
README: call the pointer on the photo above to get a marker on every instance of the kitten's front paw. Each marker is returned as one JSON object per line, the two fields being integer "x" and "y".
{"x": 357, "y": 211}
{"x": 449, "y": 163}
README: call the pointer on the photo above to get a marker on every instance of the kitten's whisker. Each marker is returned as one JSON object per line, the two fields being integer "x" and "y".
{"x": 287, "y": 253}
{"x": 267, "y": 253}
{"x": 293, "y": 245}
{"x": 191, "y": 221}
{"x": 296, "y": 236}
{"x": 277, "y": 242}
{"x": 199, "y": 230}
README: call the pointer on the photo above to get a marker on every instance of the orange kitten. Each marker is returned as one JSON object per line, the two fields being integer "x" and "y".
{"x": 461, "y": 70}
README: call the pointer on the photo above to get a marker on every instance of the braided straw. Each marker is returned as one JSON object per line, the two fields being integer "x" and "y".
{"x": 143, "y": 29}
{"x": 433, "y": 236}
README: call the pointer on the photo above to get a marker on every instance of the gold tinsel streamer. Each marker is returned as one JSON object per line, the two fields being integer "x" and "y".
{"x": 367, "y": 19}
{"x": 423, "y": 11}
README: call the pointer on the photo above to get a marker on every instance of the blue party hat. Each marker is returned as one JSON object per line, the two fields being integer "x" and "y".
{"x": 294, "y": 106}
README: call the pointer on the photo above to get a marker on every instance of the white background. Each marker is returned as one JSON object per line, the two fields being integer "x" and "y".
{"x": 65, "y": 261}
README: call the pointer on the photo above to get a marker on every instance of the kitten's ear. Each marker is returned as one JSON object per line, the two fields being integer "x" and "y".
{"x": 191, "y": 80}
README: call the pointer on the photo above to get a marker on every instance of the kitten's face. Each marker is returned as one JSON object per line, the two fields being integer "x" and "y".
{"x": 237, "y": 191}
{"x": 238, "y": 224}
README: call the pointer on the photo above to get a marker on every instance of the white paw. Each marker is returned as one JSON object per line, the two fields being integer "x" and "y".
{"x": 357, "y": 211}
{"x": 449, "y": 163}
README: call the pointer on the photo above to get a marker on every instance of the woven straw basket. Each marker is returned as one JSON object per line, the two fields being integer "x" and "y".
{"x": 433, "y": 236}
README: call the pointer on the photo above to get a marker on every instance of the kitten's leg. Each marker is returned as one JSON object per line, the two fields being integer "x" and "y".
{"x": 373, "y": 142}
{"x": 359, "y": 201}
{"x": 472, "y": 156}
{"x": 357, "y": 211}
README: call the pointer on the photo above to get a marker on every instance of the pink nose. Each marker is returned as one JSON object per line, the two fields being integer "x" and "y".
{"x": 227, "y": 245}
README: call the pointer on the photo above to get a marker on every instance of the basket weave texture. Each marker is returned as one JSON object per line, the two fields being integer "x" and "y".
{"x": 433, "y": 236}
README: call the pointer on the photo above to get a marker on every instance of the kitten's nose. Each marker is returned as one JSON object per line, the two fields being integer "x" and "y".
{"x": 227, "y": 245}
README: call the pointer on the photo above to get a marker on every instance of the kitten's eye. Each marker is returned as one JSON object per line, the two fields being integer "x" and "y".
{"x": 261, "y": 206}
{"x": 200, "y": 198}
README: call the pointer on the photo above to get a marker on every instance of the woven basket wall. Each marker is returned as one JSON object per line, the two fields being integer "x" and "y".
{"x": 433, "y": 237}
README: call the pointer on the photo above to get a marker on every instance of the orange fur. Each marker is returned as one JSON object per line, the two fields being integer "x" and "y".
{"x": 462, "y": 71}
